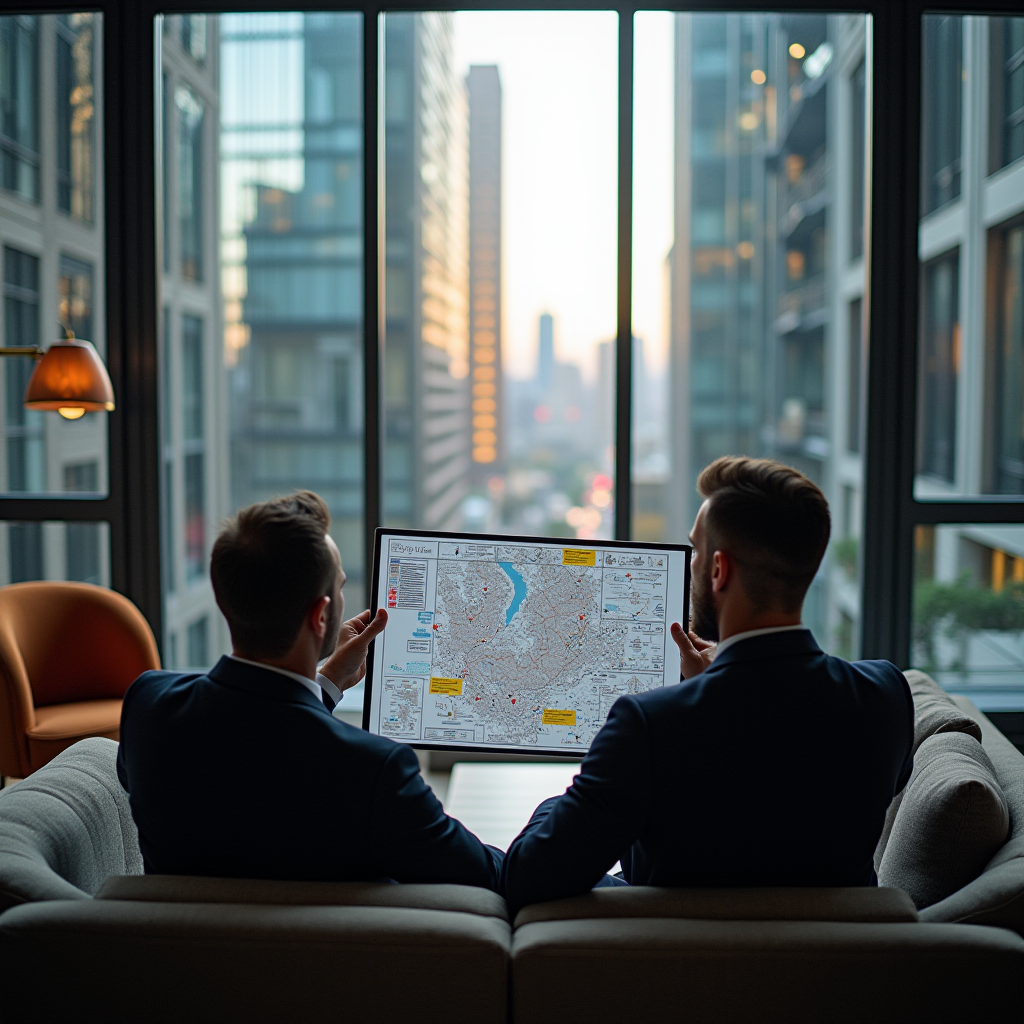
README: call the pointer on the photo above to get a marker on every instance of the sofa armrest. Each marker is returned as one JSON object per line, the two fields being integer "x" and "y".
{"x": 763, "y": 904}
{"x": 606, "y": 972}
{"x": 101, "y": 960}
{"x": 463, "y": 899}
{"x": 994, "y": 898}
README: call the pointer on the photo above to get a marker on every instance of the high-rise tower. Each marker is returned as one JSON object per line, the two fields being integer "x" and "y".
{"x": 483, "y": 85}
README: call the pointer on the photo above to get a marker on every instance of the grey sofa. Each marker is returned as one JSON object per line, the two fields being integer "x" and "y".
{"x": 134, "y": 947}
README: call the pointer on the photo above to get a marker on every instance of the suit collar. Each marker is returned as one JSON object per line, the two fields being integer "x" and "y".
{"x": 771, "y": 645}
{"x": 263, "y": 681}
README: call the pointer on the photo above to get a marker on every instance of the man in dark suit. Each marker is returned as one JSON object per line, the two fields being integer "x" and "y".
{"x": 772, "y": 764}
{"x": 244, "y": 771}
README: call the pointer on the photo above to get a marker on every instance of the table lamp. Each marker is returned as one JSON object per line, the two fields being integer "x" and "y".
{"x": 69, "y": 378}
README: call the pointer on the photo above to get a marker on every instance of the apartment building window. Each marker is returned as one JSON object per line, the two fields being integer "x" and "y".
{"x": 197, "y": 643}
{"x": 939, "y": 367}
{"x": 858, "y": 170}
{"x": 82, "y": 540}
{"x": 75, "y": 114}
{"x": 74, "y": 292}
{"x": 166, "y": 114}
{"x": 856, "y": 354}
{"x": 193, "y": 36}
{"x": 1008, "y": 377}
{"x": 26, "y": 468}
{"x": 167, "y": 423}
{"x": 25, "y": 551}
{"x": 19, "y": 106}
{"x": 342, "y": 393}
{"x": 193, "y": 424}
{"x": 191, "y": 119}
{"x": 941, "y": 101}
{"x": 1006, "y": 91}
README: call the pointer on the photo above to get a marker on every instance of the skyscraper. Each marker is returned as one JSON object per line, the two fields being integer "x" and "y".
{"x": 427, "y": 420}
{"x": 297, "y": 389}
{"x": 717, "y": 359}
{"x": 483, "y": 85}
{"x": 545, "y": 352}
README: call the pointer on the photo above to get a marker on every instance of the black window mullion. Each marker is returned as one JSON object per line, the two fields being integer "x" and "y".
{"x": 996, "y": 510}
{"x": 373, "y": 277}
{"x": 132, "y": 309}
{"x": 887, "y": 568}
{"x": 624, "y": 313}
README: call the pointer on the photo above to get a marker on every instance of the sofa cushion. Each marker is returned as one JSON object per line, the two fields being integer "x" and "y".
{"x": 782, "y": 904}
{"x": 465, "y": 899}
{"x": 996, "y": 897}
{"x": 66, "y": 827}
{"x": 177, "y": 962}
{"x": 935, "y": 711}
{"x": 952, "y": 819}
{"x": 662, "y": 971}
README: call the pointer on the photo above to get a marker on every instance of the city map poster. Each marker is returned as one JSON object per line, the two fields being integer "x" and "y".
{"x": 518, "y": 644}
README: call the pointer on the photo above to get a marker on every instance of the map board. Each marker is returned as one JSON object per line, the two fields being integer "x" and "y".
{"x": 517, "y": 644}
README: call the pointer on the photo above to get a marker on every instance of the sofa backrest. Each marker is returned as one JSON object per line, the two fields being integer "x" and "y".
{"x": 463, "y": 899}
{"x": 996, "y": 897}
{"x": 112, "y": 959}
{"x": 861, "y": 904}
{"x": 66, "y": 827}
{"x": 669, "y": 970}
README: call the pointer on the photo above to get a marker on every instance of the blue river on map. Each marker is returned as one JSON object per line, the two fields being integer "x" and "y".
{"x": 520, "y": 590}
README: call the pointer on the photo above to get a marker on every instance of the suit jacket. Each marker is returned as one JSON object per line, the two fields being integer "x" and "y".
{"x": 242, "y": 772}
{"x": 774, "y": 766}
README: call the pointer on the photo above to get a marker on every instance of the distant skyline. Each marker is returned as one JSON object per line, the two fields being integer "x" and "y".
{"x": 560, "y": 110}
{"x": 558, "y": 73}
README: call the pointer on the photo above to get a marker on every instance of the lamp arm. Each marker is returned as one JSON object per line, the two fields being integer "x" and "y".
{"x": 22, "y": 350}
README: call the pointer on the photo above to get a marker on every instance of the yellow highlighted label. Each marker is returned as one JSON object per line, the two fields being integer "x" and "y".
{"x": 555, "y": 716}
{"x": 577, "y": 556}
{"x": 449, "y": 687}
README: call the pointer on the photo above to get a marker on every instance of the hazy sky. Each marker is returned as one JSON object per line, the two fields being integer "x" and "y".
{"x": 559, "y": 79}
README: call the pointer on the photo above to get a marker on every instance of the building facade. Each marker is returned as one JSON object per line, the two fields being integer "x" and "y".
{"x": 295, "y": 310}
{"x": 195, "y": 482}
{"x": 427, "y": 422}
{"x": 52, "y": 237}
{"x": 483, "y": 87}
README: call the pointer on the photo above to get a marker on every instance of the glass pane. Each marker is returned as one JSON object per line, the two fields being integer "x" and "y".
{"x": 970, "y": 422}
{"x": 969, "y": 611}
{"x": 259, "y": 122}
{"x": 501, "y": 261}
{"x": 750, "y": 204}
{"x": 57, "y": 550}
{"x": 51, "y": 235}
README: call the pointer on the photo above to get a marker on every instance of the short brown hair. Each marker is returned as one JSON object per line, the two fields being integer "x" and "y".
{"x": 772, "y": 520}
{"x": 270, "y": 563}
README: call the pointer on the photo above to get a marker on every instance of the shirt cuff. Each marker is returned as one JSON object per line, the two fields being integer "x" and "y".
{"x": 329, "y": 688}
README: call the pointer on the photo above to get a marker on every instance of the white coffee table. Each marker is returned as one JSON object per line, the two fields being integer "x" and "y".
{"x": 495, "y": 801}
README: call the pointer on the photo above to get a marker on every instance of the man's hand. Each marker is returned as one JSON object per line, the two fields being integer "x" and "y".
{"x": 694, "y": 654}
{"x": 347, "y": 665}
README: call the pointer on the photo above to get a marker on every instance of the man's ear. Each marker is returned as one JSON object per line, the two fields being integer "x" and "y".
{"x": 318, "y": 616}
{"x": 721, "y": 571}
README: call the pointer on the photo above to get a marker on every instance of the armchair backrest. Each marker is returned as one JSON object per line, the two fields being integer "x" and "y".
{"x": 66, "y": 828}
{"x": 62, "y": 643}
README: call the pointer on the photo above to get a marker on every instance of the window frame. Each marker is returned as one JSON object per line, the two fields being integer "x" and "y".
{"x": 134, "y": 248}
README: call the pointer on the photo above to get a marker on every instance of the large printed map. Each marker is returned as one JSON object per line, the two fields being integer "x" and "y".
{"x": 525, "y": 646}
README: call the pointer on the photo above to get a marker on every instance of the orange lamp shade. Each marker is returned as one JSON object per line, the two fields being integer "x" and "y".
{"x": 70, "y": 379}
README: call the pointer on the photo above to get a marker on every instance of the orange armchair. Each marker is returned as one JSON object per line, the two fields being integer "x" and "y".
{"x": 68, "y": 652}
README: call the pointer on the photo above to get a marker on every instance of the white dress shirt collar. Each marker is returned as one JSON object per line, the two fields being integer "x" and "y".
{"x": 737, "y": 637}
{"x": 313, "y": 688}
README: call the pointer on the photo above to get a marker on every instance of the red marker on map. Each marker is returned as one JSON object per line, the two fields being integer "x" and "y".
{"x": 435, "y": 625}
{"x": 513, "y": 700}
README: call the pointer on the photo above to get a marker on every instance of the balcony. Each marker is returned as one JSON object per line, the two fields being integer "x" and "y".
{"x": 803, "y": 308}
